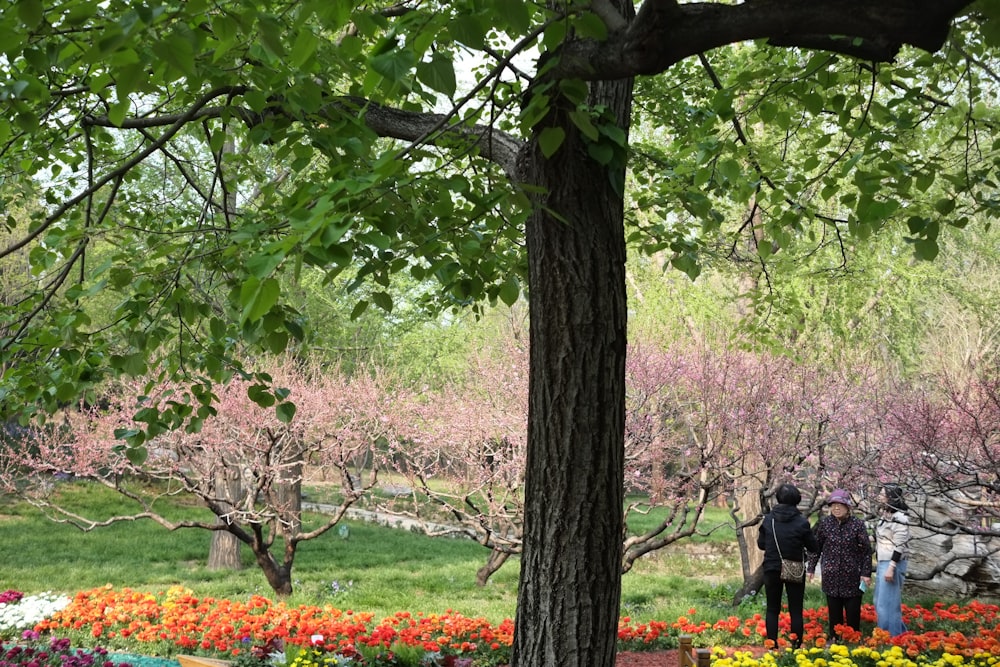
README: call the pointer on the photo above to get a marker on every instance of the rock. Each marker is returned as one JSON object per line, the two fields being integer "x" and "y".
{"x": 946, "y": 562}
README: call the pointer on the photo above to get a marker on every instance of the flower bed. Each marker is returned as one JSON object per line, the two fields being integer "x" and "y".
{"x": 32, "y": 651}
{"x": 18, "y": 612}
{"x": 175, "y": 622}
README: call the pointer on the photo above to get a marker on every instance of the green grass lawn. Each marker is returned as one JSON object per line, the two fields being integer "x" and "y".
{"x": 372, "y": 569}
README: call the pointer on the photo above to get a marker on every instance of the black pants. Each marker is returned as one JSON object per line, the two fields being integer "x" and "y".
{"x": 773, "y": 587}
{"x": 844, "y": 611}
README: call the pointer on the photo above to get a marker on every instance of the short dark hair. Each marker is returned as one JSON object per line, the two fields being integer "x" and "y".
{"x": 788, "y": 494}
{"x": 894, "y": 497}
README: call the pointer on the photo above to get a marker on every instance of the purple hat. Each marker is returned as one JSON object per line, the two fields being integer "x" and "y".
{"x": 840, "y": 496}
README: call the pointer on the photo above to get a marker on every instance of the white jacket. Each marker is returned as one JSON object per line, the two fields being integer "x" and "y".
{"x": 892, "y": 537}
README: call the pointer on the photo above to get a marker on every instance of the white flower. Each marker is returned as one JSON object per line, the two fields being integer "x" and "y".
{"x": 16, "y": 617}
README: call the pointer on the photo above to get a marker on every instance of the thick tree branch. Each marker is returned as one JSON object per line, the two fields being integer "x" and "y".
{"x": 492, "y": 144}
{"x": 612, "y": 18}
{"x": 664, "y": 33}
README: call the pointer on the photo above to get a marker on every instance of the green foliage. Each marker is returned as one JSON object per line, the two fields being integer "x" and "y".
{"x": 828, "y": 164}
{"x": 210, "y": 262}
{"x": 297, "y": 203}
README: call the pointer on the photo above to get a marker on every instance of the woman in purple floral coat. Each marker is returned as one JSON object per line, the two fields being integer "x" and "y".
{"x": 845, "y": 552}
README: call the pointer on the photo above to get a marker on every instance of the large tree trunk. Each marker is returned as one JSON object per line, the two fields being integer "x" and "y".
{"x": 224, "y": 552}
{"x": 289, "y": 490}
{"x": 570, "y": 584}
{"x": 751, "y": 483}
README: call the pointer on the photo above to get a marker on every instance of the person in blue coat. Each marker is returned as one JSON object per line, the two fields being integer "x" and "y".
{"x": 784, "y": 533}
{"x": 892, "y": 551}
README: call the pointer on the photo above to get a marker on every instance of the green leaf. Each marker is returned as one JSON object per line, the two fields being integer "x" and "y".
{"x": 218, "y": 328}
{"x": 926, "y": 249}
{"x": 270, "y": 32}
{"x": 295, "y": 329}
{"x": 224, "y": 27}
{"x": 394, "y": 65}
{"x": 945, "y": 205}
{"x": 263, "y": 265}
{"x": 688, "y": 264}
{"x": 536, "y": 109}
{"x": 438, "y": 74}
{"x": 136, "y": 455}
{"x": 990, "y": 28}
{"x": 554, "y": 35}
{"x": 550, "y": 139}
{"x": 510, "y": 290}
{"x": 469, "y": 30}
{"x": 259, "y": 394}
{"x": 603, "y": 153}
{"x": 258, "y": 297}
{"x": 277, "y": 341}
{"x": 303, "y": 48}
{"x": 66, "y": 391}
{"x": 722, "y": 104}
{"x": 581, "y": 118}
{"x": 575, "y": 90}
{"x": 135, "y": 364}
{"x": 120, "y": 276}
{"x": 131, "y": 364}
{"x": 178, "y": 52}
{"x": 117, "y": 113}
{"x": 730, "y": 170}
{"x": 359, "y": 308}
{"x": 916, "y": 224}
{"x": 285, "y": 412}
{"x": 128, "y": 79}
{"x": 590, "y": 26}
{"x": 516, "y": 13}
{"x": 702, "y": 176}
{"x": 146, "y": 416}
{"x": 255, "y": 99}
{"x": 382, "y": 300}
{"x": 813, "y": 103}
{"x": 31, "y": 12}
{"x": 767, "y": 111}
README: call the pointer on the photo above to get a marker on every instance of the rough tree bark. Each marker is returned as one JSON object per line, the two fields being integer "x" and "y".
{"x": 224, "y": 552}
{"x": 289, "y": 490}
{"x": 570, "y": 584}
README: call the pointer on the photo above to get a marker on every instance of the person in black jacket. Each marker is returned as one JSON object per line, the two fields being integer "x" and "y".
{"x": 846, "y": 562}
{"x": 784, "y": 533}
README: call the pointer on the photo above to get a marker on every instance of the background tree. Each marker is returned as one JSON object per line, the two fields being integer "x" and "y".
{"x": 258, "y": 453}
{"x": 463, "y": 447}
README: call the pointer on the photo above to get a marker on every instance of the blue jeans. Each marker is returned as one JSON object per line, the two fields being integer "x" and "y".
{"x": 889, "y": 598}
